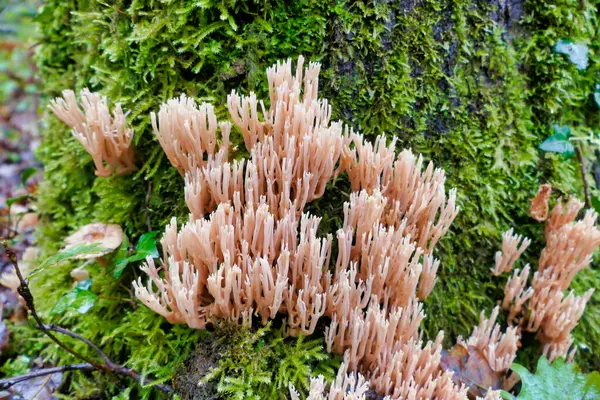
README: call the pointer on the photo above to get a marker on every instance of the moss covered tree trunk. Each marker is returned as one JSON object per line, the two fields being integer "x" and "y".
{"x": 473, "y": 85}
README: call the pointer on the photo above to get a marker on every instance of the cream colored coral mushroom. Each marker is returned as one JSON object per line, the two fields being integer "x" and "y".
{"x": 108, "y": 236}
{"x": 107, "y": 138}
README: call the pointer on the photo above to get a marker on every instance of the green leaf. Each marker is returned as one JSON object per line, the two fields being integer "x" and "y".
{"x": 145, "y": 247}
{"x": 13, "y": 200}
{"x": 84, "y": 285}
{"x": 563, "y": 131}
{"x": 84, "y": 301}
{"x": 123, "y": 249}
{"x": 557, "y": 381}
{"x": 80, "y": 298}
{"x": 597, "y": 95}
{"x": 147, "y": 244}
{"x": 27, "y": 173}
{"x": 596, "y": 203}
{"x": 577, "y": 52}
{"x": 120, "y": 267}
{"x": 63, "y": 303}
{"x": 555, "y": 145}
{"x": 77, "y": 250}
{"x": 559, "y": 142}
{"x": 121, "y": 259}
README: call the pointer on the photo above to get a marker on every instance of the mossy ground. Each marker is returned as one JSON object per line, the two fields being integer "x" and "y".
{"x": 442, "y": 77}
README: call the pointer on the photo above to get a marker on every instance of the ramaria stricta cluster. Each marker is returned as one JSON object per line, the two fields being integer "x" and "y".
{"x": 250, "y": 251}
{"x": 542, "y": 306}
{"x": 106, "y": 137}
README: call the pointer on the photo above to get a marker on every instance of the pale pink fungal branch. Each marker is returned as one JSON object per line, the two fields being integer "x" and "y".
{"x": 563, "y": 214}
{"x": 294, "y": 151}
{"x": 500, "y": 349}
{"x": 187, "y": 133}
{"x": 416, "y": 198}
{"x": 287, "y": 181}
{"x": 346, "y": 386}
{"x": 555, "y": 316}
{"x": 543, "y": 307}
{"x": 412, "y": 371}
{"x": 539, "y": 204}
{"x": 386, "y": 347}
{"x": 512, "y": 248}
{"x": 569, "y": 249}
{"x": 383, "y": 256}
{"x": 365, "y": 162}
{"x": 247, "y": 262}
{"x": 294, "y": 111}
{"x": 428, "y": 276}
{"x": 516, "y": 294}
{"x": 107, "y": 138}
{"x": 176, "y": 294}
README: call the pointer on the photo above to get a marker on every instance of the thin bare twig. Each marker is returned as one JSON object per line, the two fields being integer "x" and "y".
{"x": 74, "y": 335}
{"x": 108, "y": 365}
{"x": 583, "y": 170}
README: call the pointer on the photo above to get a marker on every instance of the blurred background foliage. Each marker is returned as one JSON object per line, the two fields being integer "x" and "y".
{"x": 19, "y": 121}
{"x": 476, "y": 86}
{"x": 19, "y": 86}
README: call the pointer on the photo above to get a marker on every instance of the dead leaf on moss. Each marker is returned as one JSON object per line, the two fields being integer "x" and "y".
{"x": 40, "y": 388}
{"x": 471, "y": 368}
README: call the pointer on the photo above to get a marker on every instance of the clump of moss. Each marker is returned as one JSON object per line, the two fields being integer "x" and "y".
{"x": 237, "y": 363}
{"x": 439, "y": 76}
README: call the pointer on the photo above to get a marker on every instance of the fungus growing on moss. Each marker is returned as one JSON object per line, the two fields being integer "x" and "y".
{"x": 513, "y": 247}
{"x": 543, "y": 307}
{"x": 188, "y": 134}
{"x": 106, "y": 138}
{"x": 108, "y": 237}
{"x": 539, "y": 204}
{"x": 249, "y": 248}
{"x": 346, "y": 386}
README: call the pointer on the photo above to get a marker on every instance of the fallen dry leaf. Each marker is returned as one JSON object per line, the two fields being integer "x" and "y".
{"x": 471, "y": 367}
{"x": 40, "y": 388}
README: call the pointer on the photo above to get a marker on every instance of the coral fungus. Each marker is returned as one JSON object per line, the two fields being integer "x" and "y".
{"x": 106, "y": 138}
{"x": 249, "y": 248}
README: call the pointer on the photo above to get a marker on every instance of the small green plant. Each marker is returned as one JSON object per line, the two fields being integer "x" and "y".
{"x": 559, "y": 142}
{"x": 556, "y": 381}
{"x": 81, "y": 298}
{"x": 146, "y": 247}
{"x": 66, "y": 254}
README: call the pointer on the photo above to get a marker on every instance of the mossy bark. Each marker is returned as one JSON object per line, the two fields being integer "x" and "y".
{"x": 473, "y": 85}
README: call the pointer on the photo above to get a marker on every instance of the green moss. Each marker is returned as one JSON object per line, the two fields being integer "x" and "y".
{"x": 439, "y": 76}
{"x": 259, "y": 364}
